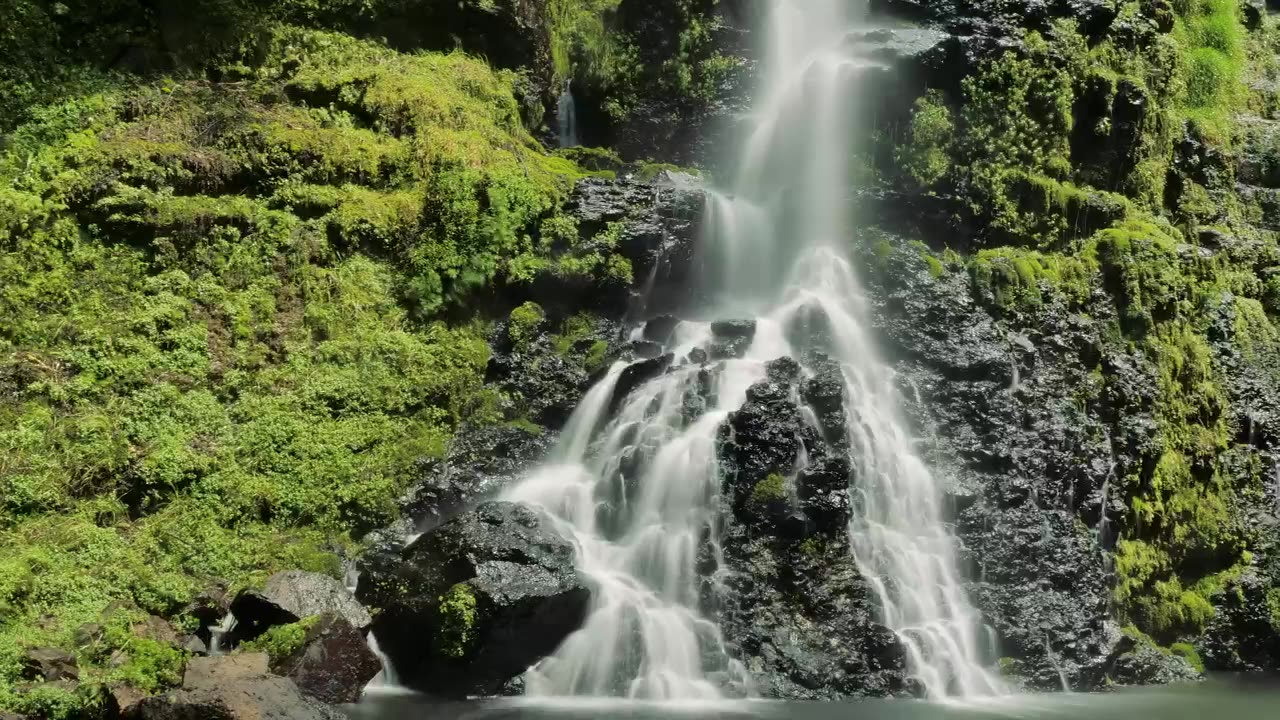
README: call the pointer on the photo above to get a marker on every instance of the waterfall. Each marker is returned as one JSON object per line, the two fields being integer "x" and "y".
{"x": 567, "y": 116}
{"x": 635, "y": 481}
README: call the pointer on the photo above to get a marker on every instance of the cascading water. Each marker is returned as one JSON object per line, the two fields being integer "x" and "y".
{"x": 567, "y": 116}
{"x": 635, "y": 481}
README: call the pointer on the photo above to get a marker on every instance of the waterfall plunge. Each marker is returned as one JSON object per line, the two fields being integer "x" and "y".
{"x": 637, "y": 489}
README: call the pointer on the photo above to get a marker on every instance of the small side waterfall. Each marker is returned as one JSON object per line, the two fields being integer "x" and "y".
{"x": 635, "y": 481}
{"x": 386, "y": 680}
{"x": 567, "y": 116}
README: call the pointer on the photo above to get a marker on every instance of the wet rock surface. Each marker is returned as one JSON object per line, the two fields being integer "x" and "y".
{"x": 291, "y": 596}
{"x": 661, "y": 224}
{"x": 481, "y": 463}
{"x": 794, "y": 608}
{"x": 474, "y": 603}
{"x": 333, "y": 664}
{"x": 1018, "y": 460}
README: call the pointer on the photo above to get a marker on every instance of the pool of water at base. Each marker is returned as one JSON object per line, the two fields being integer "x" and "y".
{"x": 1219, "y": 698}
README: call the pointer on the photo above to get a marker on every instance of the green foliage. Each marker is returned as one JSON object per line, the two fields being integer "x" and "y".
{"x": 925, "y": 156}
{"x": 630, "y": 60}
{"x": 579, "y": 36}
{"x": 524, "y": 323}
{"x": 771, "y": 489}
{"x": 457, "y": 613}
{"x": 282, "y": 641}
{"x": 578, "y": 333}
{"x": 219, "y": 355}
{"x": 1211, "y": 39}
{"x": 1188, "y": 652}
{"x": 1142, "y": 271}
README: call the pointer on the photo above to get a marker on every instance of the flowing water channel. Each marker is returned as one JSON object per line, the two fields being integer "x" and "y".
{"x": 635, "y": 481}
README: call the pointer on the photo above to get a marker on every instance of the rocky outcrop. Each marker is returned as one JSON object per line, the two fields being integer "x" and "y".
{"x": 661, "y": 224}
{"x": 795, "y": 608}
{"x": 333, "y": 664}
{"x": 231, "y": 687}
{"x": 480, "y": 463}
{"x": 474, "y": 603}
{"x": 291, "y": 596}
{"x": 49, "y": 664}
{"x": 1018, "y": 460}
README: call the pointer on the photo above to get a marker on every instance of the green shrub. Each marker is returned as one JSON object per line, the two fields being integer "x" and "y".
{"x": 925, "y": 154}
{"x": 457, "y": 614}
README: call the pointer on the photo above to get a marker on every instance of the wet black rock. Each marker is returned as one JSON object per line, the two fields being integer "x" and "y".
{"x": 795, "y": 609}
{"x": 480, "y": 463}
{"x": 477, "y": 601}
{"x": 1018, "y": 457}
{"x": 636, "y": 375}
{"x": 660, "y": 329}
{"x": 289, "y": 597}
{"x": 661, "y": 225}
{"x": 644, "y": 349}
{"x": 1243, "y": 637}
{"x": 333, "y": 664}
{"x": 1138, "y": 661}
{"x": 731, "y": 338}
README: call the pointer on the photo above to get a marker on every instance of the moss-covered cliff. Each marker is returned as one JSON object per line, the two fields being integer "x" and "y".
{"x": 1103, "y": 166}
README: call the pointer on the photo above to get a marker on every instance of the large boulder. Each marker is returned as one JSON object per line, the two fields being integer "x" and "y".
{"x": 333, "y": 664}
{"x": 291, "y": 596}
{"x": 474, "y": 603}
{"x": 231, "y": 687}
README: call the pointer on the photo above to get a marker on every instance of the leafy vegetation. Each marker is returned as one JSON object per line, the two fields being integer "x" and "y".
{"x": 222, "y": 351}
{"x": 457, "y": 620}
{"x": 281, "y": 641}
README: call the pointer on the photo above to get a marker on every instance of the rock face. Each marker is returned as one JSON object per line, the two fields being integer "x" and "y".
{"x": 291, "y": 596}
{"x": 1017, "y": 461}
{"x": 661, "y": 227}
{"x": 480, "y": 463}
{"x": 476, "y": 602}
{"x": 233, "y": 687}
{"x": 795, "y": 608}
{"x": 333, "y": 664}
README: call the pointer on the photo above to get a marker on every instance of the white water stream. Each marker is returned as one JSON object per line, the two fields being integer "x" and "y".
{"x": 637, "y": 487}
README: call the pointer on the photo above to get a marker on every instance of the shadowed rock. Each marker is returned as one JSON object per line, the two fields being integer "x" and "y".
{"x": 476, "y": 602}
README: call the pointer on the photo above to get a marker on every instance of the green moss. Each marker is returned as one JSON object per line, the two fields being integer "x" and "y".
{"x": 1015, "y": 279}
{"x": 771, "y": 489}
{"x": 457, "y": 613}
{"x": 522, "y": 327}
{"x": 245, "y": 361}
{"x": 1188, "y": 652}
{"x": 597, "y": 355}
{"x": 282, "y": 641}
{"x": 813, "y": 547}
{"x": 1212, "y": 43}
{"x": 1009, "y": 667}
